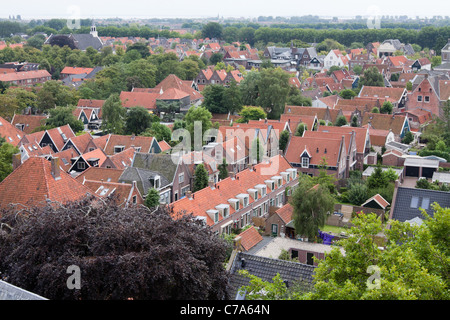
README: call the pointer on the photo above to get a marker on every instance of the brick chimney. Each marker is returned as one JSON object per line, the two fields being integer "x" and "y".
{"x": 56, "y": 171}
{"x": 17, "y": 160}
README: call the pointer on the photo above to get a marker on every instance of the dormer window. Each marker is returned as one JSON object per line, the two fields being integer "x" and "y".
{"x": 253, "y": 193}
{"x": 118, "y": 149}
{"x": 262, "y": 189}
{"x": 293, "y": 172}
{"x": 223, "y": 209}
{"x": 305, "y": 162}
{"x": 235, "y": 203}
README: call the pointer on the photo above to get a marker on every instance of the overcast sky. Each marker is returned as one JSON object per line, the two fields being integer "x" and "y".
{"x": 30, "y": 9}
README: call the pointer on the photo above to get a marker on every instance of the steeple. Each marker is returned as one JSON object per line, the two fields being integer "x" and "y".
{"x": 94, "y": 30}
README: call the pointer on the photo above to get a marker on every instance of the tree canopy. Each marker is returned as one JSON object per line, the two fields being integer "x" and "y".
{"x": 122, "y": 252}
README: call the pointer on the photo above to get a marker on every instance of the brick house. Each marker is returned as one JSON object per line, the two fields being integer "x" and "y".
{"x": 238, "y": 200}
{"x": 25, "y": 78}
{"x": 306, "y": 155}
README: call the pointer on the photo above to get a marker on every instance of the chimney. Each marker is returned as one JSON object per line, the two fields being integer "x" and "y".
{"x": 56, "y": 171}
{"x": 17, "y": 160}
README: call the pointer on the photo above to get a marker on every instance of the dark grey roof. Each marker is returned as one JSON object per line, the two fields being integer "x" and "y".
{"x": 157, "y": 162}
{"x": 143, "y": 178}
{"x": 10, "y": 292}
{"x": 83, "y": 41}
{"x": 267, "y": 269}
{"x": 403, "y": 207}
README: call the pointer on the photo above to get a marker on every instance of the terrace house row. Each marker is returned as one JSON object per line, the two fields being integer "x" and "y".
{"x": 238, "y": 200}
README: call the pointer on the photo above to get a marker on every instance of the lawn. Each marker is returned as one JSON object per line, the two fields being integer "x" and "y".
{"x": 334, "y": 229}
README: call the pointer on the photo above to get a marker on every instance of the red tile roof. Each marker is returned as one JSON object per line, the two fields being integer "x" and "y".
{"x": 100, "y": 174}
{"x": 11, "y": 134}
{"x": 30, "y": 122}
{"x": 207, "y": 198}
{"x": 391, "y": 94}
{"x": 139, "y": 99}
{"x": 32, "y": 183}
{"x": 24, "y": 75}
{"x": 122, "y": 159}
{"x": 172, "y": 81}
{"x": 317, "y": 148}
{"x": 164, "y": 146}
{"x": 145, "y": 143}
{"x": 285, "y": 213}
{"x": 250, "y": 238}
{"x": 360, "y": 134}
{"x": 76, "y": 70}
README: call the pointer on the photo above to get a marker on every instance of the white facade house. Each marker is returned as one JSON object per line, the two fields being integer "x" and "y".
{"x": 335, "y": 58}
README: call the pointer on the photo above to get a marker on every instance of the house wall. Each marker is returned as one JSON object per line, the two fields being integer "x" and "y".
{"x": 425, "y": 91}
{"x": 302, "y": 255}
{"x": 177, "y": 186}
{"x": 236, "y": 216}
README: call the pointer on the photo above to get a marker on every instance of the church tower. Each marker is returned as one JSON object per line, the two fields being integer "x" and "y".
{"x": 94, "y": 30}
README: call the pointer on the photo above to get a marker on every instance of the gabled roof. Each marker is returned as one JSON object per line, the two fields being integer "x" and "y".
{"x": 382, "y": 203}
{"x": 172, "y": 81}
{"x": 383, "y": 121}
{"x": 65, "y": 158}
{"x": 89, "y": 103}
{"x": 250, "y": 238}
{"x": 30, "y": 122}
{"x": 24, "y": 75}
{"x": 164, "y": 146}
{"x": 228, "y": 188}
{"x": 76, "y": 70}
{"x": 122, "y": 159}
{"x": 161, "y": 163}
{"x": 267, "y": 269}
{"x": 11, "y": 134}
{"x": 285, "y": 213}
{"x": 139, "y": 99}
{"x": 391, "y": 94}
{"x": 330, "y": 149}
{"x": 145, "y": 143}
{"x": 408, "y": 201}
{"x": 32, "y": 183}
{"x": 100, "y": 174}
{"x": 81, "y": 142}
{"x": 360, "y": 134}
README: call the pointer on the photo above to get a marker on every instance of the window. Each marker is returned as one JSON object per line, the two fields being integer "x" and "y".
{"x": 134, "y": 199}
{"x": 425, "y": 203}
{"x": 181, "y": 178}
{"x": 305, "y": 162}
{"x": 225, "y": 212}
{"x": 118, "y": 149}
{"x": 414, "y": 202}
{"x": 427, "y": 99}
{"x": 419, "y": 98}
{"x": 216, "y": 217}
{"x": 81, "y": 165}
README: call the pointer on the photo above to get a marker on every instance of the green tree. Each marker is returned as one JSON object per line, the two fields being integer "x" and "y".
{"x": 152, "y": 198}
{"x": 284, "y": 139}
{"x": 371, "y": 77}
{"x": 141, "y": 48}
{"x": 200, "y": 177}
{"x": 61, "y": 116}
{"x": 113, "y": 115}
{"x": 159, "y": 131}
{"x": 387, "y": 107}
{"x": 300, "y": 129}
{"x": 215, "y": 58}
{"x": 375, "y": 110}
{"x": 223, "y": 170}
{"x": 311, "y": 204}
{"x": 212, "y": 30}
{"x": 408, "y": 138}
{"x": 137, "y": 120}
{"x": 357, "y": 194}
{"x": 249, "y": 88}
{"x": 354, "y": 122}
{"x": 347, "y": 94}
{"x": 273, "y": 88}
{"x": 232, "y": 100}
{"x": 6, "y": 153}
{"x": 252, "y": 113}
{"x": 377, "y": 179}
{"x": 201, "y": 115}
{"x": 214, "y": 98}
{"x": 341, "y": 121}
